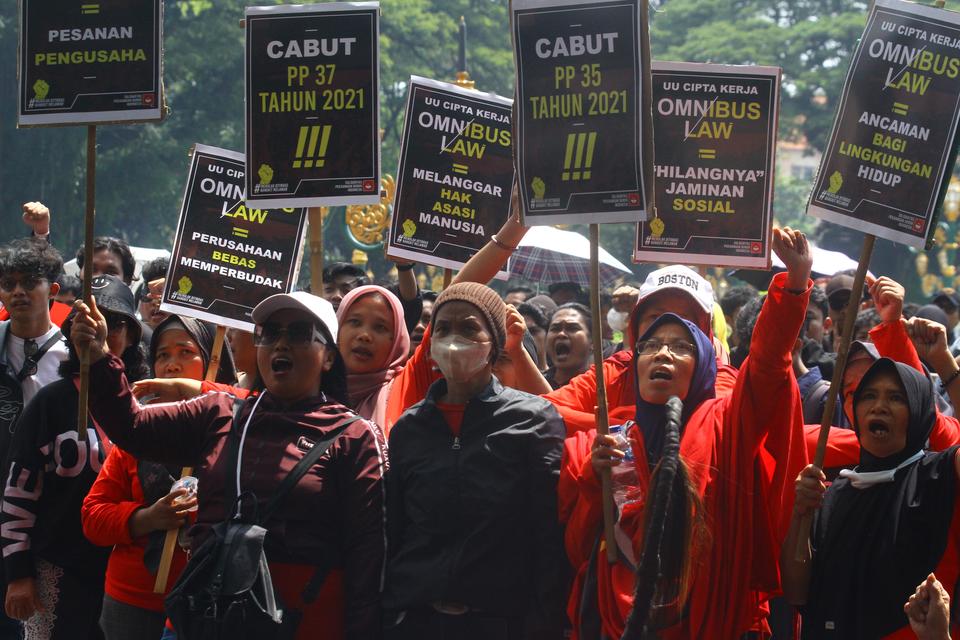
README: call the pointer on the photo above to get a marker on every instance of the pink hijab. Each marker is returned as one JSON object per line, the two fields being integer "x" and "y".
{"x": 369, "y": 391}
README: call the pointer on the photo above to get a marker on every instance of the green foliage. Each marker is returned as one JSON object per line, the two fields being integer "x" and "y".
{"x": 811, "y": 40}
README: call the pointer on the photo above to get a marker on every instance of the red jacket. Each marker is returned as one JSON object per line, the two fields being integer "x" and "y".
{"x": 843, "y": 447}
{"x": 743, "y": 451}
{"x": 105, "y": 514}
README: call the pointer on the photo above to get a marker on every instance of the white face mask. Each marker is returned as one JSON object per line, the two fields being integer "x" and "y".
{"x": 617, "y": 319}
{"x": 459, "y": 359}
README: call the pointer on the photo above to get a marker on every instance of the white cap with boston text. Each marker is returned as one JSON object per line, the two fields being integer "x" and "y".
{"x": 682, "y": 279}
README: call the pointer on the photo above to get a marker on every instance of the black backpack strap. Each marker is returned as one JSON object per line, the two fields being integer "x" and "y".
{"x": 307, "y": 461}
{"x": 42, "y": 351}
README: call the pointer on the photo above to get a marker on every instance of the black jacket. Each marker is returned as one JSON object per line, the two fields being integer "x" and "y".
{"x": 473, "y": 519}
{"x": 51, "y": 472}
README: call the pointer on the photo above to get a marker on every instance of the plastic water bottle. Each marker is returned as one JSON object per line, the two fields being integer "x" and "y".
{"x": 624, "y": 475}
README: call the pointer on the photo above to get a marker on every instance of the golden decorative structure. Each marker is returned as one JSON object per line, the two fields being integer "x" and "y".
{"x": 941, "y": 271}
{"x": 368, "y": 222}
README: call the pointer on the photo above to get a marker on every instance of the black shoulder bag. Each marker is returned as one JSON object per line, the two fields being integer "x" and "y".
{"x": 226, "y": 591}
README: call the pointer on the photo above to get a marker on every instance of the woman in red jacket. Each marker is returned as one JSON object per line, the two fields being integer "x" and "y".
{"x": 739, "y": 498}
{"x": 130, "y": 506}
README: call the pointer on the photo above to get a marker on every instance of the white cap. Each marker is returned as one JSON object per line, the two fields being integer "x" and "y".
{"x": 680, "y": 278}
{"x": 316, "y": 306}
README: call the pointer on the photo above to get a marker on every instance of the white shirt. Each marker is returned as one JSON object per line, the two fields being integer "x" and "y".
{"x": 47, "y": 367}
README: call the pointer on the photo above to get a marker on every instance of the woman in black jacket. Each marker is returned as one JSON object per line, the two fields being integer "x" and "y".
{"x": 474, "y": 543}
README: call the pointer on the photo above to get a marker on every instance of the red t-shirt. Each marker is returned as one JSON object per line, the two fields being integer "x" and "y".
{"x": 453, "y": 414}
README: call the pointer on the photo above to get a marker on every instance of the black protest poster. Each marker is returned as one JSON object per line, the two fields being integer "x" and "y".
{"x": 90, "y": 61}
{"x": 891, "y": 148}
{"x": 227, "y": 257}
{"x": 582, "y": 114}
{"x": 455, "y": 176}
{"x": 715, "y": 134}
{"x": 312, "y": 105}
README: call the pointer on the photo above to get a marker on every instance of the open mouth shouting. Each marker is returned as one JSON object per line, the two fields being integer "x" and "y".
{"x": 281, "y": 365}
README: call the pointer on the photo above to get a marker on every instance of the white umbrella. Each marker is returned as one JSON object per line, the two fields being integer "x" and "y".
{"x": 547, "y": 254}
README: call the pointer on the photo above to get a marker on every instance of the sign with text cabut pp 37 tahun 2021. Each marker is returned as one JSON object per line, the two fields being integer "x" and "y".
{"x": 312, "y": 105}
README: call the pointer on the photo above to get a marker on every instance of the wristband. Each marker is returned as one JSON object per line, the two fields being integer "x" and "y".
{"x": 946, "y": 383}
{"x": 406, "y": 267}
{"x": 500, "y": 243}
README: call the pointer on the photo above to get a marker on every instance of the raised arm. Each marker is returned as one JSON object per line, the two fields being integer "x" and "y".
{"x": 485, "y": 264}
{"x": 766, "y": 385}
{"x": 168, "y": 433}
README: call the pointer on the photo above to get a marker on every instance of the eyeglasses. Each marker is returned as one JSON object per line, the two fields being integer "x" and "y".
{"x": 27, "y": 283}
{"x": 680, "y": 348}
{"x": 839, "y": 300}
{"x": 298, "y": 334}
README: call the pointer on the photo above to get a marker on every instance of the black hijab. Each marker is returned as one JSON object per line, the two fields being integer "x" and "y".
{"x": 873, "y": 546}
{"x": 156, "y": 479}
{"x": 203, "y": 333}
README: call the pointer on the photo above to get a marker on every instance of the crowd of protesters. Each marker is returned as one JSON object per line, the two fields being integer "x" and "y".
{"x": 454, "y": 473}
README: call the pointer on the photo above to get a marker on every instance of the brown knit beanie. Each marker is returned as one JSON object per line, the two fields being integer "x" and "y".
{"x": 486, "y": 300}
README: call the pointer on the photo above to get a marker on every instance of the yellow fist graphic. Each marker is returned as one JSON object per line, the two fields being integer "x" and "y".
{"x": 539, "y": 188}
{"x": 836, "y": 181}
{"x": 185, "y": 284}
{"x": 409, "y": 228}
{"x": 40, "y": 89}
{"x": 657, "y": 227}
{"x": 266, "y": 174}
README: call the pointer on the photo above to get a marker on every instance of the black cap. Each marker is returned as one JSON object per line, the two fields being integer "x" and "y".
{"x": 114, "y": 296}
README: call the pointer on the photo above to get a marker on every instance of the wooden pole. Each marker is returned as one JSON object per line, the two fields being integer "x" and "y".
{"x": 603, "y": 420}
{"x": 843, "y": 350}
{"x": 315, "y": 219}
{"x": 170, "y": 540}
{"x": 447, "y": 277}
{"x": 84, "y": 390}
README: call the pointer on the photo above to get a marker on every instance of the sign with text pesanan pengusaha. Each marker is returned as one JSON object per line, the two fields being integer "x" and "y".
{"x": 892, "y": 148}
{"x": 456, "y": 174}
{"x": 227, "y": 257}
{"x": 312, "y": 105}
{"x": 583, "y": 122}
{"x": 90, "y": 61}
{"x": 715, "y": 132}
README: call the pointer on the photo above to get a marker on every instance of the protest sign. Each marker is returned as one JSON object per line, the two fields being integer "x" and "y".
{"x": 312, "y": 105}
{"x": 228, "y": 257}
{"x": 715, "y": 133}
{"x": 89, "y": 61}
{"x": 455, "y": 176}
{"x": 582, "y": 118}
{"x": 891, "y": 150}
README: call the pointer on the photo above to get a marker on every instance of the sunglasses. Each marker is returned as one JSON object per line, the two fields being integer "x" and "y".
{"x": 30, "y": 361}
{"x": 27, "y": 283}
{"x": 298, "y": 334}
